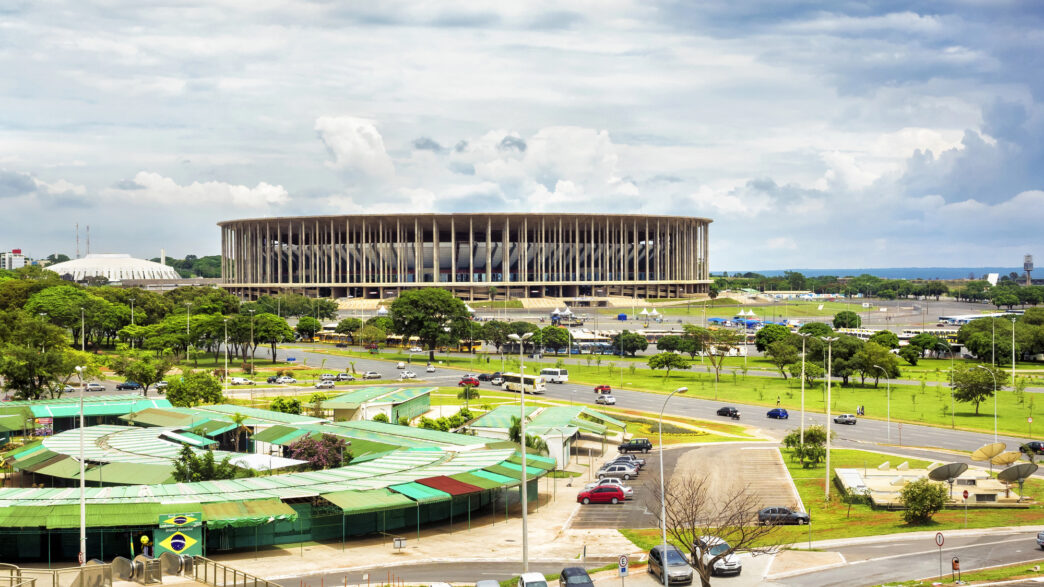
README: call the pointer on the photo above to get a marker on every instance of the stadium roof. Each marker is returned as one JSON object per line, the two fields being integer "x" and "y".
{"x": 114, "y": 267}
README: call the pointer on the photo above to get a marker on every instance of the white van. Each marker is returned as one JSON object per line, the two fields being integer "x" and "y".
{"x": 555, "y": 375}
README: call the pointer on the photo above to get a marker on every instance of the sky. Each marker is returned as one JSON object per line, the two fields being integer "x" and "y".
{"x": 833, "y": 134}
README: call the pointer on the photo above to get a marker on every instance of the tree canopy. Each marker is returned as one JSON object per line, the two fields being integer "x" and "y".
{"x": 435, "y": 316}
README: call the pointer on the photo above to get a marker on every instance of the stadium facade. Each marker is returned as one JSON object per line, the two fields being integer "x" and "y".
{"x": 473, "y": 255}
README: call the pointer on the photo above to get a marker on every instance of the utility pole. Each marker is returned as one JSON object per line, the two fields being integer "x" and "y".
{"x": 830, "y": 357}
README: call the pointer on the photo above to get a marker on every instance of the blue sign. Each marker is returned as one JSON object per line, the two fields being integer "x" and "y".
{"x": 291, "y": 359}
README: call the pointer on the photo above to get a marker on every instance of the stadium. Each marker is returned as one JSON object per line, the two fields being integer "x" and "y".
{"x": 476, "y": 256}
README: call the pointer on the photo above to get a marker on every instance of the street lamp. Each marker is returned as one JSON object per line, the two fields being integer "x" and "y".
{"x": 1013, "y": 353}
{"x": 888, "y": 386}
{"x": 830, "y": 358}
{"x": 804, "y": 336}
{"x": 521, "y": 340}
{"x": 663, "y": 494}
{"x": 991, "y": 372}
{"x": 83, "y": 478}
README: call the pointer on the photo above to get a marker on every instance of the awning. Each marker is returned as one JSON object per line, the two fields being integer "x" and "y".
{"x": 238, "y": 514}
{"x": 282, "y": 435}
{"x": 421, "y": 493}
{"x": 362, "y": 502}
{"x": 11, "y": 423}
{"x": 533, "y": 462}
{"x": 67, "y": 468}
{"x": 512, "y": 470}
{"x": 450, "y": 486}
{"x": 103, "y": 514}
{"x": 26, "y": 517}
{"x": 497, "y": 478}
{"x": 477, "y": 481}
{"x": 213, "y": 428}
{"x": 189, "y": 439}
{"x": 130, "y": 474}
{"x": 37, "y": 460}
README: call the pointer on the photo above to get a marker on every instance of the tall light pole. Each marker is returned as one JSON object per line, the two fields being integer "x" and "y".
{"x": 132, "y": 320}
{"x": 663, "y": 487}
{"x": 830, "y": 359}
{"x": 888, "y": 385}
{"x": 251, "y": 341}
{"x": 83, "y": 478}
{"x": 522, "y": 437}
{"x": 991, "y": 372}
{"x": 804, "y": 336}
{"x": 1013, "y": 353}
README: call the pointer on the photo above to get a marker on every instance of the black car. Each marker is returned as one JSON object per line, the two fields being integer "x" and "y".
{"x": 272, "y": 379}
{"x": 574, "y": 577}
{"x": 484, "y": 377}
{"x": 128, "y": 385}
{"x": 1033, "y": 446}
{"x": 635, "y": 445}
{"x": 728, "y": 411}
{"x": 781, "y": 515}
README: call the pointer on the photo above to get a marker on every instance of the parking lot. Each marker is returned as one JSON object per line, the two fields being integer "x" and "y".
{"x": 633, "y": 513}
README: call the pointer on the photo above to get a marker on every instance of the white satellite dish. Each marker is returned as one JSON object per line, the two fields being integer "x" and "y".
{"x": 884, "y": 466}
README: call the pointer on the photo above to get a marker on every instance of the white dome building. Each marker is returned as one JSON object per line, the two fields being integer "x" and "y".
{"x": 115, "y": 267}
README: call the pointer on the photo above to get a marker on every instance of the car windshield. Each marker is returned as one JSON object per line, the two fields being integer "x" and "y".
{"x": 536, "y": 584}
{"x": 578, "y": 579}
{"x": 719, "y": 548}
{"x": 676, "y": 558}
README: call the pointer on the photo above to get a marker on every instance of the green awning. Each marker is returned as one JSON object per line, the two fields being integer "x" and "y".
{"x": 11, "y": 423}
{"x": 159, "y": 417}
{"x": 189, "y": 438}
{"x": 238, "y": 514}
{"x": 27, "y": 516}
{"x": 67, "y": 468}
{"x": 270, "y": 435}
{"x": 130, "y": 474}
{"x": 512, "y": 470}
{"x": 476, "y": 481}
{"x": 534, "y": 462}
{"x": 106, "y": 514}
{"x": 24, "y": 451}
{"x": 362, "y": 502}
{"x": 503, "y": 480}
{"x": 36, "y": 460}
{"x": 213, "y": 428}
{"x": 421, "y": 493}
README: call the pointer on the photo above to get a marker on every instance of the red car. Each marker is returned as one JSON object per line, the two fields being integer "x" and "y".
{"x": 468, "y": 381}
{"x": 603, "y": 389}
{"x": 601, "y": 494}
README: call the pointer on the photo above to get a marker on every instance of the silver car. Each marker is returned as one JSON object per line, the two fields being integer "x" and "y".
{"x": 620, "y": 471}
{"x": 676, "y": 566}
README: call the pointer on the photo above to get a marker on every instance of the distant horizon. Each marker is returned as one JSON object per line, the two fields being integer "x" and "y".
{"x": 886, "y": 272}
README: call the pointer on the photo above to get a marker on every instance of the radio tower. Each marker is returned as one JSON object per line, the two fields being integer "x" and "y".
{"x": 1027, "y": 265}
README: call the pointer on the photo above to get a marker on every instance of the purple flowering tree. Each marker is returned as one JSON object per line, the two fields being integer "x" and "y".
{"x": 325, "y": 452}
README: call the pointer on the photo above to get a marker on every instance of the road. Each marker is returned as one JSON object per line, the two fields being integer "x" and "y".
{"x": 447, "y": 572}
{"x": 906, "y": 559}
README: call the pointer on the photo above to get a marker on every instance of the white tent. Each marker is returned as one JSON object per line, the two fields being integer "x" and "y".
{"x": 644, "y": 312}
{"x": 382, "y": 311}
{"x": 654, "y": 313}
{"x": 567, "y": 312}
{"x": 469, "y": 309}
{"x": 555, "y": 312}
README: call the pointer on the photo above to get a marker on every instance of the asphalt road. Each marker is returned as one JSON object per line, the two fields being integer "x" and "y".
{"x": 448, "y": 572}
{"x": 908, "y": 559}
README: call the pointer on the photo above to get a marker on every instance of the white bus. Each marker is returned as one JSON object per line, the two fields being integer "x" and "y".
{"x": 526, "y": 383}
{"x": 555, "y": 375}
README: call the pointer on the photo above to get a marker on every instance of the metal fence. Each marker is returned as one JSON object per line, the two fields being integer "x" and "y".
{"x": 214, "y": 573}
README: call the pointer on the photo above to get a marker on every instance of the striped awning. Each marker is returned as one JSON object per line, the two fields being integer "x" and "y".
{"x": 421, "y": 493}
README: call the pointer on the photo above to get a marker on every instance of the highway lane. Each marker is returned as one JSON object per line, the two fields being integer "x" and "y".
{"x": 448, "y": 572}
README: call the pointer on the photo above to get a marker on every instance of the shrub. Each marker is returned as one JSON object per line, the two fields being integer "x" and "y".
{"x": 380, "y": 418}
{"x": 922, "y": 499}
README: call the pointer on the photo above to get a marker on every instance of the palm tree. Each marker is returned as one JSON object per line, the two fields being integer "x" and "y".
{"x": 534, "y": 442}
{"x": 468, "y": 393}
{"x": 239, "y": 419}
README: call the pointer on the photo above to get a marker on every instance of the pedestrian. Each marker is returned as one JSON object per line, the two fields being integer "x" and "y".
{"x": 777, "y": 401}
{"x": 146, "y": 547}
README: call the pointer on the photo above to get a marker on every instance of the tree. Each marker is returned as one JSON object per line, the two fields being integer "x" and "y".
{"x": 193, "y": 389}
{"x": 843, "y": 352}
{"x": 326, "y": 452}
{"x": 272, "y": 330}
{"x": 307, "y": 327}
{"x": 435, "y": 316}
{"x": 813, "y": 451}
{"x": 467, "y": 394}
{"x": 241, "y": 428}
{"x": 629, "y": 343}
{"x": 694, "y": 511}
{"x": 495, "y": 333}
{"x": 668, "y": 361}
{"x": 817, "y": 329}
{"x": 781, "y": 353}
{"x": 348, "y": 326}
{"x": 813, "y": 371}
{"x": 922, "y": 499}
{"x": 872, "y": 356}
{"x": 286, "y": 405}
{"x": 533, "y": 442}
{"x": 555, "y": 337}
{"x": 924, "y": 342}
{"x": 190, "y": 467}
{"x": 885, "y": 338}
{"x": 719, "y": 345}
{"x": 144, "y": 367}
{"x": 910, "y": 353}
{"x": 669, "y": 343}
{"x": 769, "y": 334}
{"x": 847, "y": 319}
{"x": 975, "y": 384}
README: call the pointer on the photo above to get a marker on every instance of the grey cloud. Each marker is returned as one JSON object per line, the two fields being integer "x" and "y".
{"x": 461, "y": 146}
{"x": 462, "y": 168}
{"x": 128, "y": 184}
{"x": 509, "y": 142}
{"x": 14, "y": 184}
{"x": 427, "y": 144}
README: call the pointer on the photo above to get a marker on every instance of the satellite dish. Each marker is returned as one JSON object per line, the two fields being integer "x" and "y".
{"x": 1017, "y": 474}
{"x": 988, "y": 451}
{"x": 903, "y": 467}
{"x": 948, "y": 473}
{"x": 884, "y": 466}
{"x": 1006, "y": 458}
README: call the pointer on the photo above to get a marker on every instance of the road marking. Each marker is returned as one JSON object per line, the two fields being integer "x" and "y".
{"x": 950, "y": 549}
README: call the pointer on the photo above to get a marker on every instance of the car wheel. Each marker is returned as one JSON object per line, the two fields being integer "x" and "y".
{"x": 615, "y": 501}
{"x": 627, "y": 477}
{"x": 586, "y": 501}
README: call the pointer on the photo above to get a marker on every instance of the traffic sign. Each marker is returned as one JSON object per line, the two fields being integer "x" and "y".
{"x": 623, "y": 565}
{"x": 965, "y": 494}
{"x": 1029, "y": 419}
{"x": 939, "y": 538}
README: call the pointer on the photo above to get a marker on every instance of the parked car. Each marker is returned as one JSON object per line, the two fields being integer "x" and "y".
{"x": 484, "y": 376}
{"x": 429, "y": 369}
{"x": 400, "y": 365}
{"x": 620, "y": 470}
{"x": 628, "y": 491}
{"x": 729, "y": 412}
{"x": 416, "y": 349}
{"x": 635, "y": 445}
{"x": 407, "y": 374}
{"x": 603, "y": 389}
{"x": 605, "y": 400}
{"x": 272, "y": 379}
{"x": 328, "y": 377}
{"x": 845, "y": 419}
{"x": 574, "y": 577}
{"x": 161, "y": 385}
{"x": 629, "y": 458}
{"x": 127, "y": 385}
{"x": 671, "y": 563}
{"x": 487, "y": 583}
{"x": 532, "y": 580}
{"x": 95, "y": 386}
{"x": 778, "y": 413}
{"x": 781, "y": 515}
{"x": 1034, "y": 446}
{"x": 324, "y": 384}
{"x": 371, "y": 375}
{"x": 345, "y": 377}
{"x": 497, "y": 381}
{"x": 286, "y": 379}
{"x": 240, "y": 381}
{"x": 709, "y": 547}
{"x": 468, "y": 381}
{"x": 68, "y": 389}
{"x": 601, "y": 494}
{"x": 1040, "y": 539}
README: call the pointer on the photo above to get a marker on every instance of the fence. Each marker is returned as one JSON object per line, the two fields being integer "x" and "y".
{"x": 214, "y": 573}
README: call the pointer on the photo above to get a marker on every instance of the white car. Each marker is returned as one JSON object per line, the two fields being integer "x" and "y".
{"x": 240, "y": 381}
{"x": 709, "y": 547}
{"x": 532, "y": 580}
{"x": 372, "y": 375}
{"x": 497, "y": 381}
{"x": 400, "y": 365}
{"x": 416, "y": 349}
{"x": 606, "y": 400}
{"x": 286, "y": 379}
{"x": 407, "y": 374}
{"x": 328, "y": 377}
{"x": 628, "y": 491}
{"x": 95, "y": 386}
{"x": 430, "y": 369}
{"x": 324, "y": 384}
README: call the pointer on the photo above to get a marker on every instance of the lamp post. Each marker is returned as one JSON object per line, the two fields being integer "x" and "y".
{"x": 521, "y": 340}
{"x": 830, "y": 358}
{"x": 663, "y": 489}
{"x": 888, "y": 386}
{"x": 804, "y": 336}
{"x": 83, "y": 479}
{"x": 132, "y": 320}
{"x": 991, "y": 372}
{"x": 252, "y": 341}
{"x": 1013, "y": 353}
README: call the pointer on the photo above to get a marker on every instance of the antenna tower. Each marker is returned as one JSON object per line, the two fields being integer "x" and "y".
{"x": 1027, "y": 265}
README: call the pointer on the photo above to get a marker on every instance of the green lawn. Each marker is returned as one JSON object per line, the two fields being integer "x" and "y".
{"x": 1005, "y": 573}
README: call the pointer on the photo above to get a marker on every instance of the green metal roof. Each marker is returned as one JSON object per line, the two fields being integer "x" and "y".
{"x": 512, "y": 470}
{"x": 477, "y": 481}
{"x": 409, "y": 435}
{"x": 35, "y": 460}
{"x": 503, "y": 480}
{"x": 255, "y": 416}
{"x": 131, "y": 514}
{"x": 128, "y": 473}
{"x": 421, "y": 493}
{"x": 11, "y": 423}
{"x": 66, "y": 468}
{"x": 378, "y": 395}
{"x": 534, "y": 462}
{"x": 604, "y": 418}
{"x": 162, "y": 417}
{"x": 24, "y": 451}
{"x": 122, "y": 444}
{"x": 99, "y": 405}
{"x": 245, "y": 513}
{"x": 500, "y": 417}
{"x": 282, "y": 435}
{"x": 362, "y": 502}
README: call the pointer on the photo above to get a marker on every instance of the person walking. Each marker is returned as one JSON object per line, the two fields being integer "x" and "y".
{"x": 777, "y": 401}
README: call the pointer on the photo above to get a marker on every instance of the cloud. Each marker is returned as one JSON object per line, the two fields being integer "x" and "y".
{"x": 427, "y": 144}
{"x": 148, "y": 188}
{"x": 356, "y": 146}
{"x": 14, "y": 184}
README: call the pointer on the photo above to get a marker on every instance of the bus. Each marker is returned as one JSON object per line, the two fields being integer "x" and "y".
{"x": 555, "y": 375}
{"x": 526, "y": 383}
